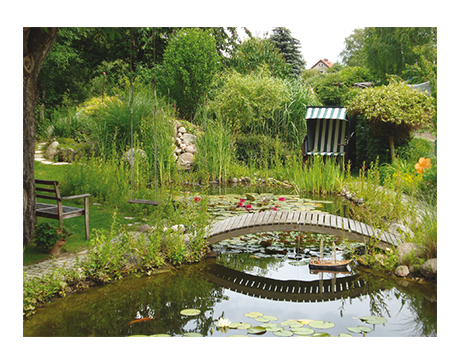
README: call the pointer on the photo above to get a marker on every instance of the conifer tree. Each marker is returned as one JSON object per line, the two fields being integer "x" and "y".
{"x": 289, "y": 47}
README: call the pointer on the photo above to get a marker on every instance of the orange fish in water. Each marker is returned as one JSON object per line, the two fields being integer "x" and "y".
{"x": 141, "y": 320}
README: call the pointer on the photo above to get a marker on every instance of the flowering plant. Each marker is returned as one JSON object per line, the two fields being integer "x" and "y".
{"x": 422, "y": 165}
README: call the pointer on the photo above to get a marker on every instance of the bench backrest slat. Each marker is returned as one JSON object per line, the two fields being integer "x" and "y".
{"x": 54, "y": 194}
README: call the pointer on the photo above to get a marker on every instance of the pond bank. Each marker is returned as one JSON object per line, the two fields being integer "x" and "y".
{"x": 409, "y": 255}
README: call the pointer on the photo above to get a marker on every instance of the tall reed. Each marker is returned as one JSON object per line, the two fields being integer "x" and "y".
{"x": 318, "y": 176}
{"x": 215, "y": 150}
{"x": 289, "y": 120}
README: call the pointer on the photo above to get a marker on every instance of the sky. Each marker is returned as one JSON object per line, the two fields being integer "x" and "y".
{"x": 316, "y": 42}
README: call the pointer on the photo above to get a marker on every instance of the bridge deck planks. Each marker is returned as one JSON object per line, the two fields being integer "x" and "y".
{"x": 299, "y": 221}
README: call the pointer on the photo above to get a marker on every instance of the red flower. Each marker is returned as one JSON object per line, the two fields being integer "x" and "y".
{"x": 197, "y": 199}
{"x": 282, "y": 199}
{"x": 248, "y": 207}
{"x": 240, "y": 204}
{"x": 242, "y": 200}
{"x": 274, "y": 208}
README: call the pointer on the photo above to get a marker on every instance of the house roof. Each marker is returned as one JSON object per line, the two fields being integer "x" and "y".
{"x": 325, "y": 61}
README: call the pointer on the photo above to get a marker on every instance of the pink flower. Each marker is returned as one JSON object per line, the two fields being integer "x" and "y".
{"x": 240, "y": 204}
{"x": 197, "y": 199}
{"x": 274, "y": 208}
{"x": 242, "y": 200}
{"x": 248, "y": 207}
{"x": 282, "y": 199}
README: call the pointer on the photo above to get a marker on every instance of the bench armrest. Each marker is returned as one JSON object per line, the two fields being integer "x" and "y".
{"x": 77, "y": 196}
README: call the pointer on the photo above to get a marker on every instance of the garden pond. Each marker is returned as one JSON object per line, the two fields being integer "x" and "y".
{"x": 259, "y": 285}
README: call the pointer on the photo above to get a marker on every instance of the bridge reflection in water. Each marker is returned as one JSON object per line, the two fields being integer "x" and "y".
{"x": 287, "y": 290}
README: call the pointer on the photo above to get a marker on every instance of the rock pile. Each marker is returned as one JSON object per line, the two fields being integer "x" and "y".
{"x": 185, "y": 146}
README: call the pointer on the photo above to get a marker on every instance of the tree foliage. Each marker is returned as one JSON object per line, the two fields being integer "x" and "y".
{"x": 394, "y": 110}
{"x": 334, "y": 89}
{"x": 246, "y": 102}
{"x": 289, "y": 48}
{"x": 390, "y": 50}
{"x": 254, "y": 52}
{"x": 353, "y": 55}
{"x": 190, "y": 62}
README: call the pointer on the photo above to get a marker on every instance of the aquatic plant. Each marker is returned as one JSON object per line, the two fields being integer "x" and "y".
{"x": 223, "y": 322}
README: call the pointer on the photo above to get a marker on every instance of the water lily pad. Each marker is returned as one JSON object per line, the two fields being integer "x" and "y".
{"x": 257, "y": 330}
{"x": 274, "y": 328}
{"x": 291, "y": 323}
{"x": 320, "y": 334}
{"x": 137, "y": 336}
{"x": 374, "y": 320}
{"x": 302, "y": 331}
{"x": 250, "y": 197}
{"x": 283, "y": 333}
{"x": 238, "y": 336}
{"x": 160, "y": 335}
{"x": 270, "y": 318}
{"x": 244, "y": 326}
{"x": 359, "y": 329}
{"x": 253, "y": 314}
{"x": 239, "y": 326}
{"x": 190, "y": 312}
{"x": 234, "y": 325}
{"x": 261, "y": 319}
{"x": 319, "y": 324}
{"x": 305, "y": 321}
{"x": 345, "y": 335}
{"x": 192, "y": 334}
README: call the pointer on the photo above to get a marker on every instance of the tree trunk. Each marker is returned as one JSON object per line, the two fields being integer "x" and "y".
{"x": 392, "y": 148}
{"x": 37, "y": 43}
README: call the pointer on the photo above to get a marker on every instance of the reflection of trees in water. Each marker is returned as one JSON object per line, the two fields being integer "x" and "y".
{"x": 420, "y": 301}
{"x": 107, "y": 310}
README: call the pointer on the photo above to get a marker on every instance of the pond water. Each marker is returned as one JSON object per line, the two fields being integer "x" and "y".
{"x": 261, "y": 280}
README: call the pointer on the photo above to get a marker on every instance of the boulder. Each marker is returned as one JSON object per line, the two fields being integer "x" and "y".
{"x": 188, "y": 138}
{"x": 404, "y": 250}
{"x": 429, "y": 269}
{"x": 190, "y": 148}
{"x": 66, "y": 155}
{"x": 181, "y": 130}
{"x": 402, "y": 271}
{"x": 52, "y": 150}
{"x": 400, "y": 231}
{"x": 186, "y": 158}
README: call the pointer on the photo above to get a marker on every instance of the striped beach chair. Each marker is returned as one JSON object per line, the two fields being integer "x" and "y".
{"x": 328, "y": 132}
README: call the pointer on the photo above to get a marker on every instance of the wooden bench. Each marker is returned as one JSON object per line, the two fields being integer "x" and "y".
{"x": 59, "y": 211}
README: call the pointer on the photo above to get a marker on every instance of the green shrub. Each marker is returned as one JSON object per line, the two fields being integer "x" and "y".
{"x": 245, "y": 103}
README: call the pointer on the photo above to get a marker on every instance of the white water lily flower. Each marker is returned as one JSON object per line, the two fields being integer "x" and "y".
{"x": 223, "y": 322}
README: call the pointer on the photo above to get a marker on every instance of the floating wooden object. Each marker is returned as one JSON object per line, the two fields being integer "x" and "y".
{"x": 328, "y": 264}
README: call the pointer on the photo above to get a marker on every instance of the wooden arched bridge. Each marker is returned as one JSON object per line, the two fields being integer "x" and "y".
{"x": 306, "y": 221}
